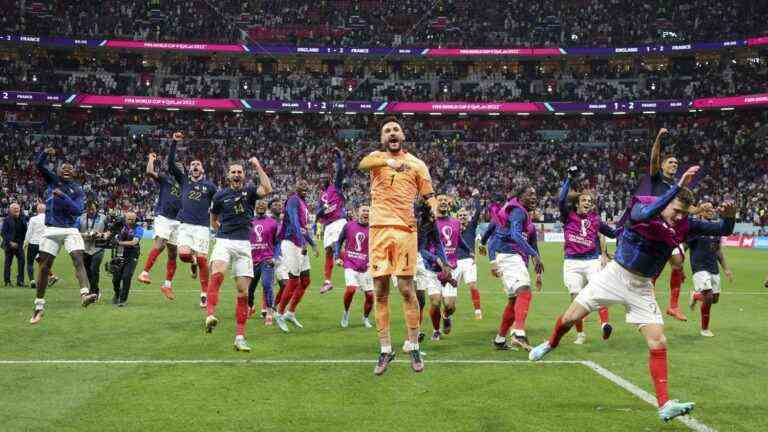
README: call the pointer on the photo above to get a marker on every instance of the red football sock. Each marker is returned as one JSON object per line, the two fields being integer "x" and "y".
{"x": 298, "y": 293}
{"x": 153, "y": 254}
{"x": 657, "y": 363}
{"x": 475, "y": 293}
{"x": 434, "y": 314}
{"x": 170, "y": 269}
{"x": 241, "y": 314}
{"x": 603, "y": 312}
{"x": 368, "y": 306}
{"x": 290, "y": 287}
{"x": 558, "y": 332}
{"x": 279, "y": 296}
{"x": 202, "y": 265}
{"x": 675, "y": 281}
{"x": 213, "y": 292}
{"x": 579, "y": 325}
{"x": 522, "y": 303}
{"x": 328, "y": 270}
{"x": 698, "y": 297}
{"x": 705, "y": 308}
{"x": 348, "y": 295}
{"x": 507, "y": 318}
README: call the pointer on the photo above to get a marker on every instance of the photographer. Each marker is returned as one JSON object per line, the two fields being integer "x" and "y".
{"x": 125, "y": 257}
{"x": 92, "y": 225}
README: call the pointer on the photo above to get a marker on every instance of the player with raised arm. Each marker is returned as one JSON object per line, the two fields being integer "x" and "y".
{"x": 397, "y": 178}
{"x": 263, "y": 251}
{"x": 64, "y": 203}
{"x": 293, "y": 254}
{"x": 166, "y": 226}
{"x": 585, "y": 251}
{"x": 706, "y": 259}
{"x": 466, "y": 267}
{"x": 352, "y": 254}
{"x": 231, "y": 216}
{"x": 655, "y": 227}
{"x": 332, "y": 214}
{"x": 193, "y": 235}
{"x": 511, "y": 234}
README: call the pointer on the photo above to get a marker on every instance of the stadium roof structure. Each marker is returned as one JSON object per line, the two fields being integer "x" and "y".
{"x": 353, "y": 107}
{"x": 364, "y": 52}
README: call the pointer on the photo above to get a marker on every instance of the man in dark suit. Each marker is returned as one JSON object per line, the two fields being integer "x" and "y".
{"x": 13, "y": 231}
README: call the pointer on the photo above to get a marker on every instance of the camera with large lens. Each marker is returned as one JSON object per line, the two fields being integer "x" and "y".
{"x": 114, "y": 225}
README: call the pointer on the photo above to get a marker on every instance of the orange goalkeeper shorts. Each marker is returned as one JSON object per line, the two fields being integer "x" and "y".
{"x": 392, "y": 251}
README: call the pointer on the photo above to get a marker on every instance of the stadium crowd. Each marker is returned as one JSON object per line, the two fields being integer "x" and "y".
{"x": 463, "y": 23}
{"x": 231, "y": 77}
{"x": 109, "y": 150}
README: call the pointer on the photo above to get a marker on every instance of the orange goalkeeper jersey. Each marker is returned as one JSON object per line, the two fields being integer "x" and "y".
{"x": 393, "y": 193}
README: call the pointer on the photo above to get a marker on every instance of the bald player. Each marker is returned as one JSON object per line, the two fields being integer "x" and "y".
{"x": 397, "y": 178}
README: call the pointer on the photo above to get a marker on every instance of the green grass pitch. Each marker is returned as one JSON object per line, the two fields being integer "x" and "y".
{"x": 726, "y": 375}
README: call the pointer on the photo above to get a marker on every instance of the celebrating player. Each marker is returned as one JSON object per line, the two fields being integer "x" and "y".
{"x": 293, "y": 254}
{"x": 263, "y": 248}
{"x": 193, "y": 235}
{"x": 333, "y": 217}
{"x": 706, "y": 254}
{"x": 352, "y": 254}
{"x": 231, "y": 215}
{"x": 397, "y": 177}
{"x": 438, "y": 241}
{"x": 512, "y": 247}
{"x": 466, "y": 268}
{"x": 64, "y": 203}
{"x": 656, "y": 226}
{"x": 585, "y": 251}
{"x": 166, "y": 226}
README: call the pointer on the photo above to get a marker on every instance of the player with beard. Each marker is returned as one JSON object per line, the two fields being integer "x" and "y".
{"x": 585, "y": 250}
{"x": 397, "y": 178}
{"x": 511, "y": 237}
{"x": 443, "y": 294}
{"x": 194, "y": 232}
{"x": 166, "y": 226}
{"x": 231, "y": 216}
{"x": 706, "y": 259}
{"x": 332, "y": 215}
{"x": 656, "y": 226}
{"x": 466, "y": 268}
{"x": 64, "y": 203}
{"x": 352, "y": 254}
{"x": 293, "y": 254}
{"x": 660, "y": 179}
{"x": 263, "y": 249}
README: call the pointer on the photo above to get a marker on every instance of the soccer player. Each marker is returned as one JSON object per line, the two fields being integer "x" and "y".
{"x": 231, "y": 216}
{"x": 397, "y": 178}
{"x": 32, "y": 240}
{"x": 193, "y": 235}
{"x": 585, "y": 250}
{"x": 466, "y": 268}
{"x": 352, "y": 254}
{"x": 64, "y": 203}
{"x": 281, "y": 275}
{"x": 706, "y": 259}
{"x": 293, "y": 254}
{"x": 656, "y": 226}
{"x": 263, "y": 247}
{"x": 438, "y": 242}
{"x": 512, "y": 247}
{"x": 660, "y": 179}
{"x": 166, "y": 226}
{"x": 333, "y": 217}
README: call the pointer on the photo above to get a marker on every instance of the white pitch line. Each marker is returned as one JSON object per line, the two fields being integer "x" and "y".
{"x": 559, "y": 293}
{"x": 689, "y": 421}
